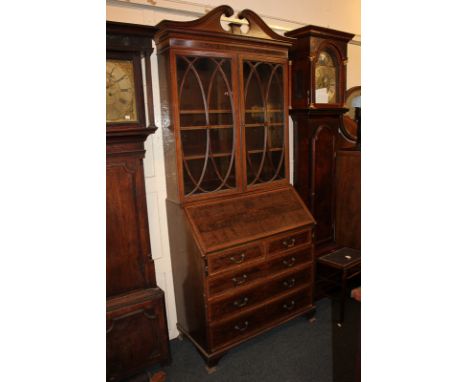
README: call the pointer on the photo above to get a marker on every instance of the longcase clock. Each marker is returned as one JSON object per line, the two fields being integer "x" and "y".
{"x": 318, "y": 82}
{"x": 137, "y": 336}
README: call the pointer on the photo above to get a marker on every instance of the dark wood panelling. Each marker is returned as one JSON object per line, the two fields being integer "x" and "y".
{"x": 322, "y": 168}
{"x": 348, "y": 198}
{"x": 124, "y": 271}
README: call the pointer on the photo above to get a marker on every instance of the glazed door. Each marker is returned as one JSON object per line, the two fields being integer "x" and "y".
{"x": 206, "y": 119}
{"x": 264, "y": 122}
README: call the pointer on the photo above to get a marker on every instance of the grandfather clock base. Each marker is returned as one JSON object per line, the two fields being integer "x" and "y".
{"x": 136, "y": 333}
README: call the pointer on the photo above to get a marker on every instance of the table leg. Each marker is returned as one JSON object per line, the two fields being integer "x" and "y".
{"x": 344, "y": 277}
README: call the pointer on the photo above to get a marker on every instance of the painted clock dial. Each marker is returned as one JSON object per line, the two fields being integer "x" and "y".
{"x": 120, "y": 92}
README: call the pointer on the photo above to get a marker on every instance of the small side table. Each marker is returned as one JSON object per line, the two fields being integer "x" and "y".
{"x": 348, "y": 262}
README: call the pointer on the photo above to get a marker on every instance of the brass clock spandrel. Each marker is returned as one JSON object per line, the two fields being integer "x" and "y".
{"x": 120, "y": 92}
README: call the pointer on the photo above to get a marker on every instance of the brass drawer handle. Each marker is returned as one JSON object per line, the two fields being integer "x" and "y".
{"x": 240, "y": 280}
{"x": 289, "y": 263}
{"x": 243, "y": 327}
{"x": 289, "y": 283}
{"x": 238, "y": 260}
{"x": 289, "y": 243}
{"x": 241, "y": 302}
{"x": 289, "y": 306}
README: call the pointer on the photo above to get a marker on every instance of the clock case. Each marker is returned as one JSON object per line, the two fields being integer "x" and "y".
{"x": 135, "y": 47}
{"x": 319, "y": 131}
{"x": 310, "y": 42}
{"x": 136, "y": 324}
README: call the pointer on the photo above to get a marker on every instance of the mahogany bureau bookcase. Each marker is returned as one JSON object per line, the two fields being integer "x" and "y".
{"x": 240, "y": 236}
{"x": 318, "y": 83}
{"x": 137, "y": 335}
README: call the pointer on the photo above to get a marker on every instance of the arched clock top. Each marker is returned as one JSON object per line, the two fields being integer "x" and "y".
{"x": 331, "y": 49}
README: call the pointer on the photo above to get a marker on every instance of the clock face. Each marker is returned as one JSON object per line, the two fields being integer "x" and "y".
{"x": 325, "y": 79}
{"x": 120, "y": 92}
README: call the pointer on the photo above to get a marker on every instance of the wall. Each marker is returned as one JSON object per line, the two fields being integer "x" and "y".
{"x": 342, "y": 15}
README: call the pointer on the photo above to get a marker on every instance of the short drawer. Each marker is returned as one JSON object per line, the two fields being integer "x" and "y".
{"x": 289, "y": 241}
{"x": 288, "y": 305}
{"x": 291, "y": 281}
{"x": 229, "y": 259}
{"x": 236, "y": 279}
{"x": 237, "y": 303}
{"x": 237, "y": 329}
{"x": 290, "y": 260}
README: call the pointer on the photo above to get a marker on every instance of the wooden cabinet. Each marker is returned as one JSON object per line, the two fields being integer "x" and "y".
{"x": 318, "y": 72}
{"x": 235, "y": 259}
{"x": 240, "y": 236}
{"x": 137, "y": 335}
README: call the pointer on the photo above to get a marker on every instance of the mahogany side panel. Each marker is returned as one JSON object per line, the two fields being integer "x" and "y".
{"x": 188, "y": 268}
{"x": 167, "y": 126}
{"x": 348, "y": 198}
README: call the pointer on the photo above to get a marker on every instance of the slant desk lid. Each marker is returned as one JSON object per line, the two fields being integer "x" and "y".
{"x": 224, "y": 223}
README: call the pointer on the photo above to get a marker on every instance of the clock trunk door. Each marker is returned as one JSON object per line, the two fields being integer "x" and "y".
{"x": 322, "y": 183}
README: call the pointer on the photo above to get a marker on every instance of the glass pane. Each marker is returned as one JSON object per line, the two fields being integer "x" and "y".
{"x": 264, "y": 121}
{"x": 325, "y": 79}
{"x": 206, "y": 123}
{"x": 208, "y": 175}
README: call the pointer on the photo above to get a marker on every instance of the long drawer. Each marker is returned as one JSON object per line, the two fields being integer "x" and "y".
{"x": 251, "y": 297}
{"x": 245, "y": 325}
{"x": 240, "y": 278}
